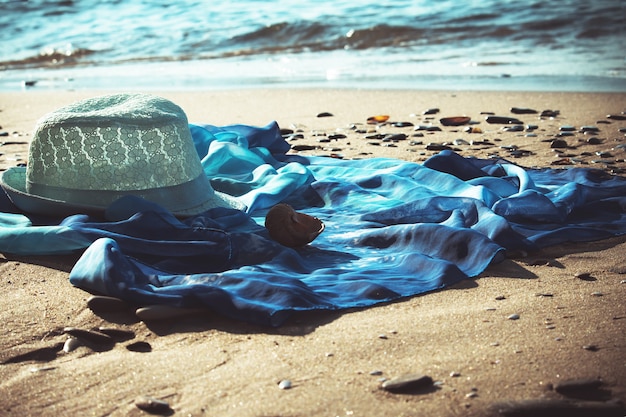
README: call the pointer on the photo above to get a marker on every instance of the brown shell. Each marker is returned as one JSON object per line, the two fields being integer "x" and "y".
{"x": 290, "y": 228}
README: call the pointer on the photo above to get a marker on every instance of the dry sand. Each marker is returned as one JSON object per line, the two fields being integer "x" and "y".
{"x": 569, "y": 328}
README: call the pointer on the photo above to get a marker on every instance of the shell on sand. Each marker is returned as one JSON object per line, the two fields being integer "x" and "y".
{"x": 290, "y": 228}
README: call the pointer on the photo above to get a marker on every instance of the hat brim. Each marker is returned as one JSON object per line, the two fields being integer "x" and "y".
{"x": 13, "y": 182}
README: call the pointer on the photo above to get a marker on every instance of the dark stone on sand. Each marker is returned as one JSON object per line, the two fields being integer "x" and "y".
{"x": 589, "y": 129}
{"x": 514, "y": 128}
{"x": 550, "y": 113}
{"x": 303, "y": 147}
{"x": 394, "y": 137}
{"x": 433, "y": 110}
{"x": 503, "y": 120}
{"x": 616, "y": 116}
{"x": 143, "y": 347}
{"x": 557, "y": 407}
{"x": 565, "y": 134}
{"x": 622, "y": 130}
{"x": 403, "y": 124}
{"x": 407, "y": 383}
{"x": 594, "y": 141}
{"x": 152, "y": 405}
{"x": 335, "y": 136}
{"x": 591, "y": 348}
{"x": 4, "y": 133}
{"x": 324, "y": 114}
{"x": 284, "y": 132}
{"x": 90, "y": 336}
{"x": 522, "y": 110}
{"x": 455, "y": 120}
{"x": 532, "y": 127}
{"x": 428, "y": 128}
{"x": 558, "y": 144}
{"x": 437, "y": 147}
{"x": 567, "y": 128}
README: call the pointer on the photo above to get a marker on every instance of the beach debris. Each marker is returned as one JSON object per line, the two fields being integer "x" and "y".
{"x": 407, "y": 383}
{"x": 291, "y": 228}
{"x": 503, "y": 120}
{"x": 285, "y": 384}
{"x": 152, "y": 405}
{"x": 546, "y": 407}
{"x": 455, "y": 120}
{"x": 523, "y": 110}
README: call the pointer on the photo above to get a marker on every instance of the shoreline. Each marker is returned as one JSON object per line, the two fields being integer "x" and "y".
{"x": 460, "y": 336}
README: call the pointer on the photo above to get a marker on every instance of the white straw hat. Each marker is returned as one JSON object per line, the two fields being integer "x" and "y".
{"x": 85, "y": 156}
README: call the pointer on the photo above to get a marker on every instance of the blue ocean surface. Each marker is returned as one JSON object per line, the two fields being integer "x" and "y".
{"x": 566, "y": 45}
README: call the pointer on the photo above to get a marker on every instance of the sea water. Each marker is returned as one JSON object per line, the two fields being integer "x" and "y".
{"x": 564, "y": 45}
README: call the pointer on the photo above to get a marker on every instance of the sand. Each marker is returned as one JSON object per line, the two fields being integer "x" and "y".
{"x": 568, "y": 327}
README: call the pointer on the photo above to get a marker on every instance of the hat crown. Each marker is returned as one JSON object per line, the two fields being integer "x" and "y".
{"x": 121, "y": 142}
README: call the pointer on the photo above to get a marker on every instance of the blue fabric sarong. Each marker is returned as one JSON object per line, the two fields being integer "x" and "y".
{"x": 393, "y": 228}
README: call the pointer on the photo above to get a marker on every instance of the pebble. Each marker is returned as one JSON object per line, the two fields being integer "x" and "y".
{"x": 324, "y": 114}
{"x": 514, "y": 128}
{"x": 89, "y": 336}
{"x": 152, "y": 405}
{"x": 503, "y": 120}
{"x": 407, "y": 383}
{"x": 616, "y": 116}
{"x": 567, "y": 128}
{"x": 335, "y": 136}
{"x": 597, "y": 294}
{"x": 403, "y": 124}
{"x": 285, "y": 384}
{"x": 594, "y": 141}
{"x": 71, "y": 344}
{"x": 591, "y": 348}
{"x": 550, "y": 113}
{"x": 454, "y": 121}
{"x": 558, "y": 144}
{"x": 143, "y": 347}
{"x": 589, "y": 129}
{"x": 433, "y": 110}
{"x": 513, "y": 317}
{"x": 523, "y": 110}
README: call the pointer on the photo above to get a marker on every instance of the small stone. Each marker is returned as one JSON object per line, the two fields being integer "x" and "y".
{"x": 455, "y": 120}
{"x": 567, "y": 128}
{"x": 403, "y": 124}
{"x": 616, "y": 116}
{"x": 500, "y": 297}
{"x": 382, "y": 336}
{"x": 591, "y": 348}
{"x": 152, "y": 405}
{"x": 523, "y": 110}
{"x": 584, "y": 276}
{"x": 376, "y": 372}
{"x": 513, "y": 317}
{"x": 335, "y": 136}
{"x": 589, "y": 129}
{"x": 549, "y": 113}
{"x": 455, "y": 374}
{"x": 597, "y": 294}
{"x": 472, "y": 394}
{"x": 594, "y": 141}
{"x": 324, "y": 114}
{"x": 71, "y": 344}
{"x": 558, "y": 144}
{"x": 299, "y": 148}
{"x": 143, "y": 347}
{"x": 504, "y": 120}
{"x": 285, "y": 384}
{"x": 407, "y": 383}
{"x": 433, "y": 110}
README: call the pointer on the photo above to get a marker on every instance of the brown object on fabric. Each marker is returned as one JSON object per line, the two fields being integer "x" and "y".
{"x": 290, "y": 228}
